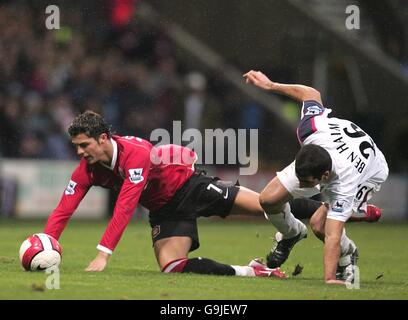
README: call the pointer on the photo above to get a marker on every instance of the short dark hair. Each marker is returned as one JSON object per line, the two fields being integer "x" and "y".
{"x": 90, "y": 123}
{"x": 312, "y": 160}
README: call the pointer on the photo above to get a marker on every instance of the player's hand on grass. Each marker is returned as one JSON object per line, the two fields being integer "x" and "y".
{"x": 99, "y": 263}
{"x": 259, "y": 79}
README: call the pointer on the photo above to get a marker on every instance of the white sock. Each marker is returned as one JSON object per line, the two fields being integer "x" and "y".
{"x": 286, "y": 223}
{"x": 244, "y": 271}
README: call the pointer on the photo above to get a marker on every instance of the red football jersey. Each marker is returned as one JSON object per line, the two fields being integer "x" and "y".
{"x": 142, "y": 172}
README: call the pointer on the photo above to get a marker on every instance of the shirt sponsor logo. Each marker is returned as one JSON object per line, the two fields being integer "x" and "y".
{"x": 70, "y": 189}
{"x": 135, "y": 175}
{"x": 313, "y": 110}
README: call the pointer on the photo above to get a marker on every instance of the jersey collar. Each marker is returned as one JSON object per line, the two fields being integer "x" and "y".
{"x": 114, "y": 156}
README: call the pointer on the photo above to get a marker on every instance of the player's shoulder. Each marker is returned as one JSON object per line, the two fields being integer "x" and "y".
{"x": 134, "y": 148}
{"x": 129, "y": 144}
{"x": 313, "y": 116}
{"x": 313, "y": 108}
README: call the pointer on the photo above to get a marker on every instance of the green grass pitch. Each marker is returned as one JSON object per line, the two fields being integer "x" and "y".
{"x": 133, "y": 273}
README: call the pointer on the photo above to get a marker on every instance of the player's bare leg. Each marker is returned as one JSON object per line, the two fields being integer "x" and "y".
{"x": 274, "y": 200}
{"x": 172, "y": 256}
{"x": 274, "y": 197}
{"x": 171, "y": 249}
{"x": 247, "y": 203}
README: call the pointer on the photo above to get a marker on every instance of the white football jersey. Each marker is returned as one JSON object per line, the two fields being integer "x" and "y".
{"x": 355, "y": 157}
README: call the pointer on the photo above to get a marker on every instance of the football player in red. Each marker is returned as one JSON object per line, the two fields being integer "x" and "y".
{"x": 162, "y": 179}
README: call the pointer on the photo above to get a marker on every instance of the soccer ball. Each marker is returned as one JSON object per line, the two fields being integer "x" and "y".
{"x": 39, "y": 252}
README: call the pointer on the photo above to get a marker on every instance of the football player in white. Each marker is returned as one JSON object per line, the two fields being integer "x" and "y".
{"x": 338, "y": 159}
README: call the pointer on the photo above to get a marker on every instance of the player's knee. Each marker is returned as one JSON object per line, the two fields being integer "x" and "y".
{"x": 270, "y": 204}
{"x": 200, "y": 266}
{"x": 173, "y": 265}
{"x": 318, "y": 230}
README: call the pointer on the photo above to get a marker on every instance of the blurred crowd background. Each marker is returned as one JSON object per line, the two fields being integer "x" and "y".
{"x": 105, "y": 59}
{"x": 127, "y": 73}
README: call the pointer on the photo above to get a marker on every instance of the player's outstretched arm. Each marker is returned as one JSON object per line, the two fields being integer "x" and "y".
{"x": 295, "y": 91}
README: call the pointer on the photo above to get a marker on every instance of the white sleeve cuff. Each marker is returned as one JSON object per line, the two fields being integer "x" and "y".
{"x": 104, "y": 249}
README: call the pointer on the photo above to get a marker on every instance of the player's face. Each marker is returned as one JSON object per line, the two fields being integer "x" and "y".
{"x": 88, "y": 148}
{"x": 308, "y": 182}
{"x": 311, "y": 182}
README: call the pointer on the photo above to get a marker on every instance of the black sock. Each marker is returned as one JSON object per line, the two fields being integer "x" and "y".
{"x": 208, "y": 266}
{"x": 303, "y": 208}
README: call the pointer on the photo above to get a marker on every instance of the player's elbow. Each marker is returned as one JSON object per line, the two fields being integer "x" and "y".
{"x": 317, "y": 225}
{"x": 312, "y": 94}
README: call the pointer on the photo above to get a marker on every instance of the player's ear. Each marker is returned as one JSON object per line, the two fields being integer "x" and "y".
{"x": 103, "y": 138}
{"x": 326, "y": 175}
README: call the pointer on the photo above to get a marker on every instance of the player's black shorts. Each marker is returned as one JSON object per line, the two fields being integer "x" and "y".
{"x": 200, "y": 196}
